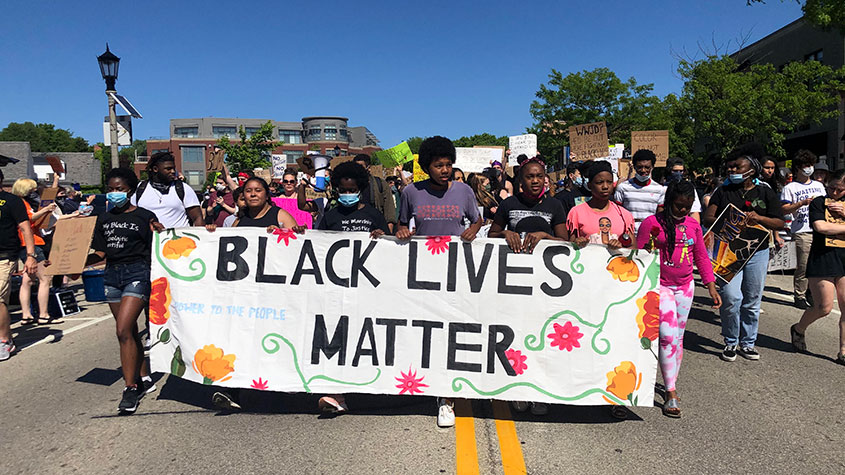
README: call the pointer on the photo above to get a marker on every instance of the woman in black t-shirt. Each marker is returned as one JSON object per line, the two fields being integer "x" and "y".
{"x": 123, "y": 237}
{"x": 826, "y": 263}
{"x": 260, "y": 211}
{"x": 530, "y": 215}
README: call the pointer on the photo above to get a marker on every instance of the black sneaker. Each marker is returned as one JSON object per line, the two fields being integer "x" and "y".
{"x": 749, "y": 353}
{"x": 801, "y": 303}
{"x": 798, "y": 343}
{"x": 729, "y": 353}
{"x": 225, "y": 401}
{"x": 147, "y": 386}
{"x": 129, "y": 402}
{"x": 840, "y": 358}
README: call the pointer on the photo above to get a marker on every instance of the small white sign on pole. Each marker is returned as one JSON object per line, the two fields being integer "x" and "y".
{"x": 475, "y": 160}
{"x": 280, "y": 162}
{"x": 522, "y": 144}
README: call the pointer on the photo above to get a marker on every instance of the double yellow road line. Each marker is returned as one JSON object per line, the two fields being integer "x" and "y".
{"x": 466, "y": 448}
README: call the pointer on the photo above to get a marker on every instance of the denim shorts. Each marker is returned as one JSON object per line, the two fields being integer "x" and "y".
{"x": 127, "y": 280}
{"x": 39, "y": 254}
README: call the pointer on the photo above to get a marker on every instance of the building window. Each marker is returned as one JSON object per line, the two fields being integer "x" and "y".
{"x": 292, "y": 155}
{"x": 186, "y": 132}
{"x": 194, "y": 177}
{"x": 314, "y": 133}
{"x": 219, "y": 131}
{"x": 193, "y": 154}
{"x": 158, "y": 150}
{"x": 814, "y": 56}
{"x": 250, "y": 131}
{"x": 343, "y": 133}
{"x": 331, "y": 133}
{"x": 290, "y": 136}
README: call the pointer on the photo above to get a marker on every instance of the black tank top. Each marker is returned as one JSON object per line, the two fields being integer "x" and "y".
{"x": 270, "y": 218}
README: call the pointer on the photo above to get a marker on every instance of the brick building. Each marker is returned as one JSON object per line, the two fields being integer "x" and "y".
{"x": 191, "y": 139}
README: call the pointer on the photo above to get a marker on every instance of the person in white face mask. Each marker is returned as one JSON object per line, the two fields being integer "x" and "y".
{"x": 796, "y": 197}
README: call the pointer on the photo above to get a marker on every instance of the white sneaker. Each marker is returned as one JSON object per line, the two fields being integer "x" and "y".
{"x": 445, "y": 413}
{"x": 539, "y": 408}
{"x": 521, "y": 406}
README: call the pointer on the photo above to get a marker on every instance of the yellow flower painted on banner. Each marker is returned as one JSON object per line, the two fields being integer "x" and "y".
{"x": 179, "y": 247}
{"x": 623, "y": 269}
{"x": 213, "y": 365}
{"x": 623, "y": 381}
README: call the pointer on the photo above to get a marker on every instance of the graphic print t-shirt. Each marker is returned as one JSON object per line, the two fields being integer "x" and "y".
{"x": 794, "y": 192}
{"x": 124, "y": 237}
{"x": 600, "y": 226}
{"x": 351, "y": 218}
{"x": 521, "y": 216}
{"x": 436, "y": 212}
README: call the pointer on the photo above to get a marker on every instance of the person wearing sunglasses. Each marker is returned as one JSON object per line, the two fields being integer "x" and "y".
{"x": 289, "y": 184}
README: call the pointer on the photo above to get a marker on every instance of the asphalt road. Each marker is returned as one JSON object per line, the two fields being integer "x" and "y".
{"x": 782, "y": 414}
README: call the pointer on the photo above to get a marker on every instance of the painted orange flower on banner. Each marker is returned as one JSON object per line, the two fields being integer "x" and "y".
{"x": 438, "y": 244}
{"x": 623, "y": 269}
{"x": 160, "y": 301}
{"x": 178, "y": 247}
{"x": 623, "y": 381}
{"x": 213, "y": 365}
{"x": 648, "y": 318}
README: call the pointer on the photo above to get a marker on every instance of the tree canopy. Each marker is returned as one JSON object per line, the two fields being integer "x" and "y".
{"x": 43, "y": 137}
{"x": 821, "y": 13}
{"x": 250, "y": 152}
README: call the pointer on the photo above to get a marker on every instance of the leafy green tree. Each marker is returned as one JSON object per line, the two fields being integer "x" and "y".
{"x": 414, "y": 144}
{"x": 482, "y": 139}
{"x": 723, "y": 105}
{"x": 43, "y": 137}
{"x": 251, "y": 152}
{"x": 593, "y": 96}
{"x": 822, "y": 13}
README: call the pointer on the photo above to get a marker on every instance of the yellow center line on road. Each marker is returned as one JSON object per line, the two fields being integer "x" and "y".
{"x": 511, "y": 450}
{"x": 466, "y": 451}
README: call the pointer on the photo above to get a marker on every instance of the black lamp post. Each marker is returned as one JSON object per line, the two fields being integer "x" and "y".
{"x": 108, "y": 68}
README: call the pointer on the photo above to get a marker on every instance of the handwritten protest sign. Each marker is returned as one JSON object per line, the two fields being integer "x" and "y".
{"x": 784, "y": 258}
{"x": 470, "y": 159}
{"x": 377, "y": 170}
{"x": 71, "y": 240}
{"x": 264, "y": 174}
{"x": 588, "y": 141}
{"x": 214, "y": 160}
{"x": 395, "y": 156}
{"x": 419, "y": 173}
{"x": 522, "y": 144}
{"x": 832, "y": 241}
{"x": 338, "y": 160}
{"x": 331, "y": 313}
{"x": 731, "y": 242}
{"x": 303, "y": 218}
{"x": 280, "y": 163}
{"x": 655, "y": 140}
{"x": 306, "y": 165}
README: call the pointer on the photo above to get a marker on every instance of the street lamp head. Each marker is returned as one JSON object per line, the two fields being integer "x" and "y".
{"x": 108, "y": 67}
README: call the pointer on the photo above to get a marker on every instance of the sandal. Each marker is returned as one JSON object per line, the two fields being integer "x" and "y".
{"x": 28, "y": 320}
{"x": 798, "y": 342}
{"x": 330, "y": 405}
{"x": 671, "y": 408}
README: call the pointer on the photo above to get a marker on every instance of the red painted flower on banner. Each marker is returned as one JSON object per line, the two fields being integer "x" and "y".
{"x": 410, "y": 383}
{"x": 286, "y": 234}
{"x": 517, "y": 360}
{"x": 438, "y": 244}
{"x": 160, "y": 301}
{"x": 259, "y": 384}
{"x": 648, "y": 318}
{"x": 566, "y": 336}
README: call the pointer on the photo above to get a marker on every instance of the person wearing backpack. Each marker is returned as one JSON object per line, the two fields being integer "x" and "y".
{"x": 166, "y": 196}
{"x": 377, "y": 193}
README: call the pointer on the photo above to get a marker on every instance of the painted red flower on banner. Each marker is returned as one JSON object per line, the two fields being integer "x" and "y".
{"x": 410, "y": 383}
{"x": 259, "y": 384}
{"x": 566, "y": 337}
{"x": 160, "y": 301}
{"x": 438, "y": 244}
{"x": 517, "y": 360}
{"x": 285, "y": 234}
{"x": 648, "y": 317}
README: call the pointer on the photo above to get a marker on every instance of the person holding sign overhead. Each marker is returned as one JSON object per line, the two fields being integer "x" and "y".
{"x": 438, "y": 207}
{"x": 826, "y": 263}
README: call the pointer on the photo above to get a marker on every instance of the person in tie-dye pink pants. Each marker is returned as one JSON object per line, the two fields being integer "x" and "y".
{"x": 680, "y": 241}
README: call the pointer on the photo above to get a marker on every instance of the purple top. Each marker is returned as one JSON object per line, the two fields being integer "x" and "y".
{"x": 689, "y": 247}
{"x": 436, "y": 212}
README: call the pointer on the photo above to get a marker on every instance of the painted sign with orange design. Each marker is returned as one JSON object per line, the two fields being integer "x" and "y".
{"x": 731, "y": 242}
{"x": 340, "y": 312}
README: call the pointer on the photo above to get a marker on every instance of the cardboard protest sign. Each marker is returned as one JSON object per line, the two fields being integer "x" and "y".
{"x": 395, "y": 156}
{"x": 48, "y": 195}
{"x": 474, "y": 160}
{"x": 419, "y": 173}
{"x": 655, "y": 140}
{"x": 377, "y": 170}
{"x": 280, "y": 163}
{"x": 588, "y": 141}
{"x": 306, "y": 165}
{"x": 303, "y": 218}
{"x": 625, "y": 167}
{"x": 522, "y": 144}
{"x": 55, "y": 164}
{"x": 71, "y": 241}
{"x": 731, "y": 242}
{"x": 328, "y": 313}
{"x": 264, "y": 174}
{"x": 214, "y": 160}
{"x": 832, "y": 241}
{"x": 338, "y": 160}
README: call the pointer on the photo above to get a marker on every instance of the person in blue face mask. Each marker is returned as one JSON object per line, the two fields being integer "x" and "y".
{"x": 740, "y": 312}
{"x": 348, "y": 179}
{"x": 576, "y": 187}
{"x": 123, "y": 237}
{"x": 675, "y": 172}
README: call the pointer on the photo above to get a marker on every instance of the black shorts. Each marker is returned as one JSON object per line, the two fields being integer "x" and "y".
{"x": 829, "y": 262}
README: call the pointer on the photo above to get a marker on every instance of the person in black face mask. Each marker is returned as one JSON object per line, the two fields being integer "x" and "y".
{"x": 66, "y": 204}
{"x": 675, "y": 172}
{"x": 175, "y": 204}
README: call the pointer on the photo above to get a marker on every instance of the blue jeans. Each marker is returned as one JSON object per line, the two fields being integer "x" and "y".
{"x": 127, "y": 280}
{"x": 741, "y": 297}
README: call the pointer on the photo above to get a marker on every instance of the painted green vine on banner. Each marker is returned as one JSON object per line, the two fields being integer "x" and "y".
{"x": 196, "y": 265}
{"x": 457, "y": 386}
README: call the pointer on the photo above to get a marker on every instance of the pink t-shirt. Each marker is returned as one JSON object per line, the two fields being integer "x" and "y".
{"x": 689, "y": 247}
{"x": 599, "y": 226}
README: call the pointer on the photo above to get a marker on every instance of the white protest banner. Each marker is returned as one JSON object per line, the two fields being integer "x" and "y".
{"x": 280, "y": 162}
{"x": 330, "y": 312}
{"x": 474, "y": 160}
{"x": 522, "y": 144}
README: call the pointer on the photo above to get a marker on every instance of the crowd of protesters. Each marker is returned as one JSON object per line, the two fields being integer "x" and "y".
{"x": 590, "y": 205}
